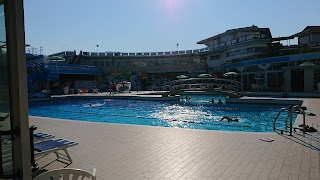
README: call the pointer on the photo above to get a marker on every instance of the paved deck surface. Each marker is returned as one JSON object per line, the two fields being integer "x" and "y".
{"x": 143, "y": 152}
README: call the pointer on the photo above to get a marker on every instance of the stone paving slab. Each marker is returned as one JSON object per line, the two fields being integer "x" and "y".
{"x": 145, "y": 152}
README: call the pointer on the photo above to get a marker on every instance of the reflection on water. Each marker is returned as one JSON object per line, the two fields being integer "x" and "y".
{"x": 182, "y": 113}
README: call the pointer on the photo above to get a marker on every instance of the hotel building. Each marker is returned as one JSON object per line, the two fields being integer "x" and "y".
{"x": 263, "y": 62}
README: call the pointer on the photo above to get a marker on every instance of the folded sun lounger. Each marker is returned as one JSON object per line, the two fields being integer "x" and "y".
{"x": 46, "y": 147}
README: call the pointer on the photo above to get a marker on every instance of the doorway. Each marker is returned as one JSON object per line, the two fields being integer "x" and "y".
{"x": 297, "y": 80}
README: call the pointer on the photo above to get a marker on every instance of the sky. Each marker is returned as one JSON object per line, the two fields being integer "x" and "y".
{"x": 155, "y": 25}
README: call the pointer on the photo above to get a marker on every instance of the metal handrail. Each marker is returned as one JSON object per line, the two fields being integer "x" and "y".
{"x": 296, "y": 107}
{"x": 276, "y": 118}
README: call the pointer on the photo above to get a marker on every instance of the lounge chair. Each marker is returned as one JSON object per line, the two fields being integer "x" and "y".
{"x": 41, "y": 136}
{"x": 64, "y": 174}
{"x": 83, "y": 91}
{"x": 46, "y": 147}
{"x": 7, "y": 149}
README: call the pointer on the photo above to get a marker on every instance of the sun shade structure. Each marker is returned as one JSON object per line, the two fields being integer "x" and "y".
{"x": 308, "y": 63}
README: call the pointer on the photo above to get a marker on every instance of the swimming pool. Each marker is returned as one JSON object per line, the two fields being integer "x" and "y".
{"x": 198, "y": 113}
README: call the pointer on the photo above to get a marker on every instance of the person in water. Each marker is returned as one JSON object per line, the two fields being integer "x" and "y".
{"x": 219, "y": 102}
{"x": 229, "y": 119}
{"x": 187, "y": 98}
{"x": 212, "y": 101}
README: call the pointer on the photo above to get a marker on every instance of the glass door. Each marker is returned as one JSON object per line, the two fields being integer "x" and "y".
{"x": 6, "y": 166}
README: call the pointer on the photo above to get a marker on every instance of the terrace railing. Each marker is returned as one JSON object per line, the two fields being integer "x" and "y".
{"x": 215, "y": 84}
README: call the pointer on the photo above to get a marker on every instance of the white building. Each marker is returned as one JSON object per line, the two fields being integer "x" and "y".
{"x": 235, "y": 44}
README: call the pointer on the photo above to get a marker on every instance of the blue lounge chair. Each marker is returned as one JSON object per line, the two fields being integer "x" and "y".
{"x": 42, "y": 136}
{"x": 46, "y": 147}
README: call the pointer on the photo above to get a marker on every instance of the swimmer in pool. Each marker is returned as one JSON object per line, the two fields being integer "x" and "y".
{"x": 229, "y": 119}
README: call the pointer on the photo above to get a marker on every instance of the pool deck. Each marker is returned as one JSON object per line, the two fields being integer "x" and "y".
{"x": 144, "y": 152}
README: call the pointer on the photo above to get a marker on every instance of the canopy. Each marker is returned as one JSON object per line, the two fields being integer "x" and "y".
{"x": 308, "y": 63}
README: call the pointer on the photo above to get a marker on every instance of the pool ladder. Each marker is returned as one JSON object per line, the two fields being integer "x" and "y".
{"x": 294, "y": 108}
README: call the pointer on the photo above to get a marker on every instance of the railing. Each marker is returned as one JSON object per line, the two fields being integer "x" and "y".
{"x": 204, "y": 84}
{"x": 34, "y": 51}
{"x": 294, "y": 108}
{"x": 183, "y": 52}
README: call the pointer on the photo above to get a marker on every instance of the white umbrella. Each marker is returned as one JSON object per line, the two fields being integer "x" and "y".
{"x": 204, "y": 75}
{"x": 230, "y": 74}
{"x": 182, "y": 77}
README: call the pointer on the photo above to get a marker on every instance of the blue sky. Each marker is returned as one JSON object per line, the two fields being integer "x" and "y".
{"x": 155, "y": 25}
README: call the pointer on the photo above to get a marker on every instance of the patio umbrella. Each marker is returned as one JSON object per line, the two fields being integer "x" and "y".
{"x": 230, "y": 74}
{"x": 182, "y": 77}
{"x": 56, "y": 58}
{"x": 204, "y": 75}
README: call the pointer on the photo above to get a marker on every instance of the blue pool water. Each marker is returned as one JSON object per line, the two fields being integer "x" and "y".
{"x": 198, "y": 113}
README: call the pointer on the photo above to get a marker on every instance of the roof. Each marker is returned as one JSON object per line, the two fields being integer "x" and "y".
{"x": 230, "y": 31}
{"x": 308, "y": 30}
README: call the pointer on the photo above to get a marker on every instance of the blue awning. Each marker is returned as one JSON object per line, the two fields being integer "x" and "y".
{"x": 295, "y": 57}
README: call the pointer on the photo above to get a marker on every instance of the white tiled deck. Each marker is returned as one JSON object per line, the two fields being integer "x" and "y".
{"x": 143, "y": 152}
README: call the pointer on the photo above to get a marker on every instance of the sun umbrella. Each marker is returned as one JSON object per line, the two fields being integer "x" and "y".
{"x": 204, "y": 75}
{"x": 182, "y": 77}
{"x": 230, "y": 74}
{"x": 56, "y": 58}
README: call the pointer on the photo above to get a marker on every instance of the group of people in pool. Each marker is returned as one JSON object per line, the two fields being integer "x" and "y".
{"x": 219, "y": 102}
{"x": 211, "y": 101}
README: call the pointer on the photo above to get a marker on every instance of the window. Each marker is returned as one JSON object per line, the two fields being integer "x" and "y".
{"x": 128, "y": 63}
{"x": 214, "y": 57}
{"x": 279, "y": 66}
{"x": 101, "y": 63}
{"x": 196, "y": 61}
{"x": 260, "y": 49}
{"x": 150, "y": 63}
{"x": 250, "y": 50}
{"x": 158, "y": 63}
{"x": 135, "y": 63}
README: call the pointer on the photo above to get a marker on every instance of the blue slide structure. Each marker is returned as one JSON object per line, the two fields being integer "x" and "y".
{"x": 43, "y": 73}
